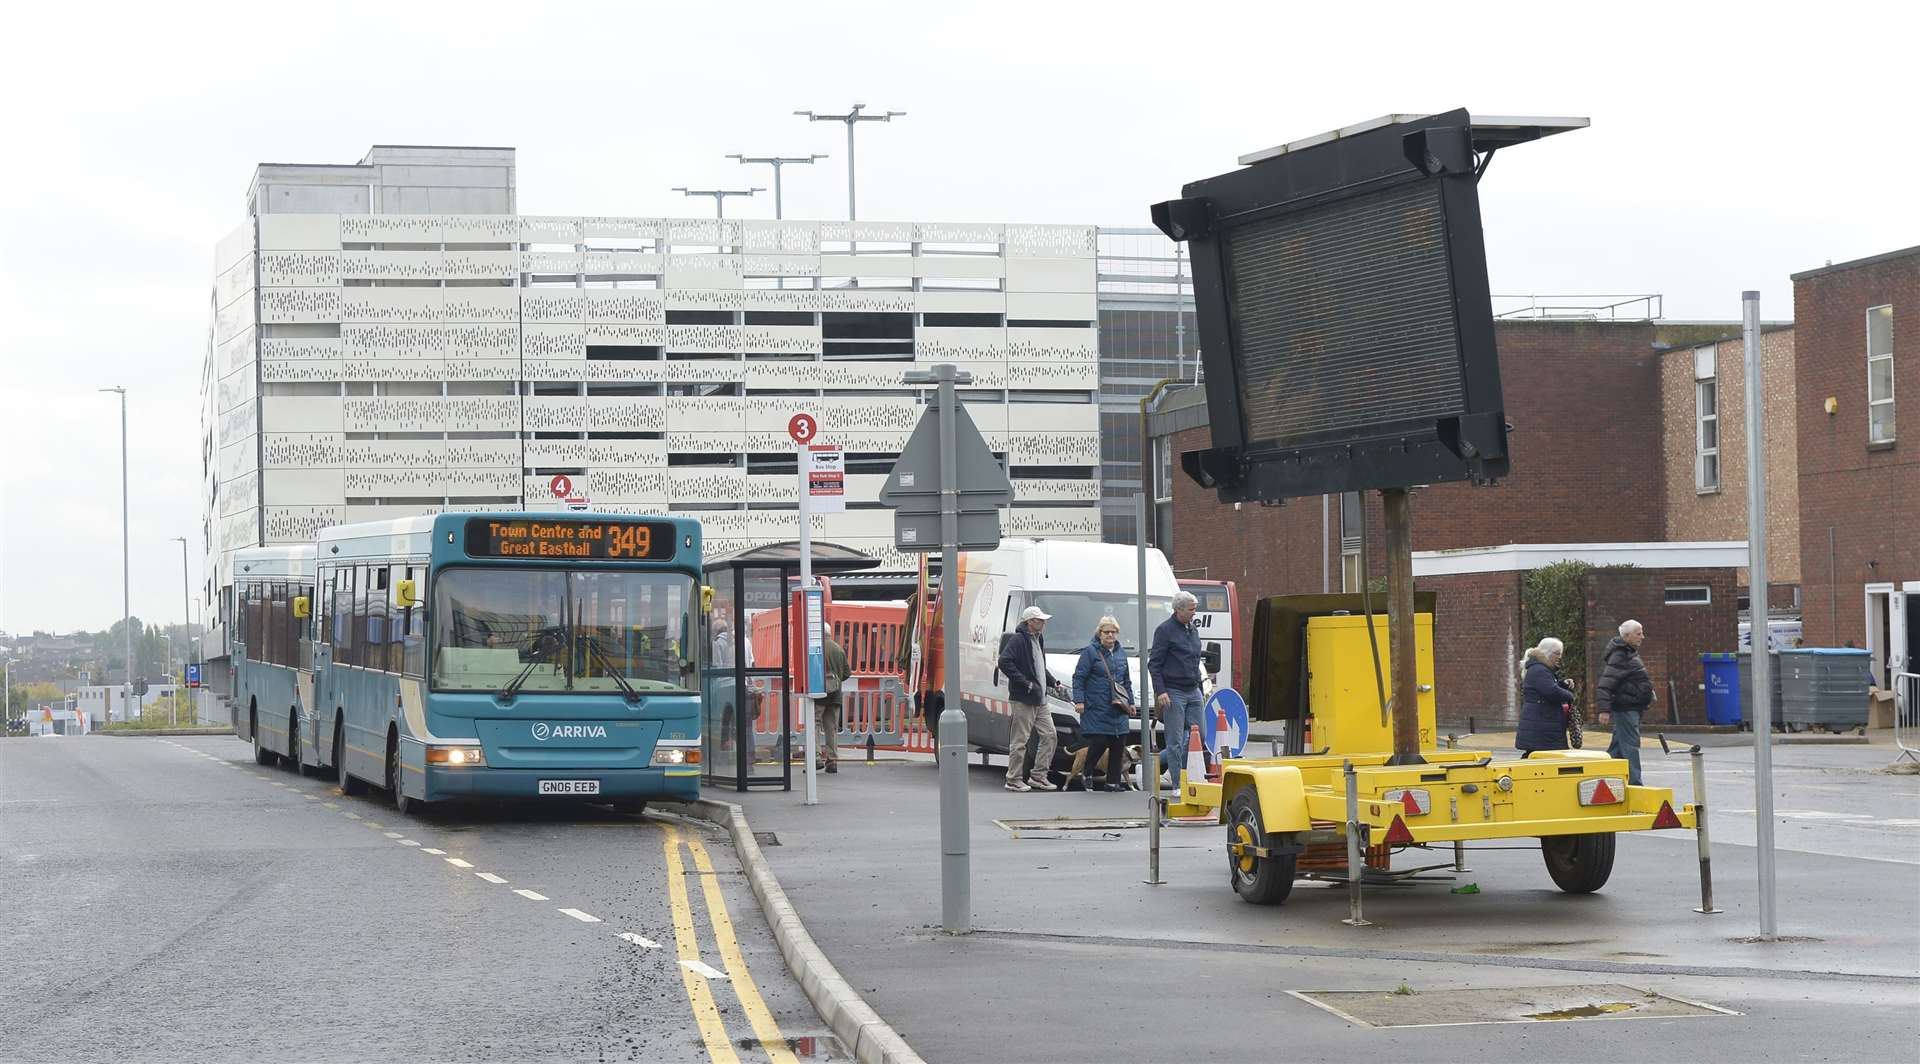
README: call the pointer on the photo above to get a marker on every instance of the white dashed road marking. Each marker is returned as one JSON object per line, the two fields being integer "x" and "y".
{"x": 585, "y": 918}
{"x": 704, "y": 969}
{"x": 431, "y": 850}
{"x": 351, "y": 816}
{"x": 639, "y": 940}
{"x": 393, "y": 835}
{"x": 406, "y": 842}
{"x": 458, "y": 863}
{"x": 490, "y": 877}
{"x": 531, "y": 895}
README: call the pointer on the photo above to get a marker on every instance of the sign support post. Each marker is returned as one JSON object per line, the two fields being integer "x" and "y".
{"x": 1757, "y": 613}
{"x": 1398, "y": 512}
{"x": 803, "y": 429}
{"x": 956, "y": 891}
{"x": 1149, "y": 766}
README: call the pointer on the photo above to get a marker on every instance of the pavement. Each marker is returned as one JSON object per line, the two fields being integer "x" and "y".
{"x": 1075, "y": 958}
{"x": 166, "y": 899}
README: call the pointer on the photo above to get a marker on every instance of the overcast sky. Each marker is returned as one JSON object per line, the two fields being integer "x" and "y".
{"x": 1729, "y": 148}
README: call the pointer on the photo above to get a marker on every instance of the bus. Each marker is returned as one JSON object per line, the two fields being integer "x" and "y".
{"x": 270, "y": 653}
{"x": 1216, "y": 618}
{"x": 490, "y": 655}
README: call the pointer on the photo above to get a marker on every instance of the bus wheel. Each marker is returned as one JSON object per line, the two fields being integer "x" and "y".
{"x": 348, "y": 783}
{"x": 261, "y": 755}
{"x": 1260, "y": 880}
{"x": 401, "y": 803}
{"x": 1579, "y": 864}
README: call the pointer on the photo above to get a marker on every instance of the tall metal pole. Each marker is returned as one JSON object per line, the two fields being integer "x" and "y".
{"x": 1148, "y": 765}
{"x": 956, "y": 900}
{"x": 1326, "y": 547}
{"x": 186, "y": 627}
{"x": 126, "y": 580}
{"x": 719, "y": 196}
{"x": 1757, "y": 612}
{"x": 807, "y": 621}
{"x": 852, "y": 118}
{"x": 777, "y": 161}
{"x": 1401, "y": 651}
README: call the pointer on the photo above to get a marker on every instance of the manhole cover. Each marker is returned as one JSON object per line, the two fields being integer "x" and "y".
{"x": 1407, "y": 1007}
{"x": 1070, "y": 827}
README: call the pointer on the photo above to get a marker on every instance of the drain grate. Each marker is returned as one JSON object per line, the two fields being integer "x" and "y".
{"x": 766, "y": 838}
{"x": 1519, "y": 1004}
{"x": 1066, "y": 827}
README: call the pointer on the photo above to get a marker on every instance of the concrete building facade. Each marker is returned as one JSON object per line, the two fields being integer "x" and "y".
{"x": 372, "y": 365}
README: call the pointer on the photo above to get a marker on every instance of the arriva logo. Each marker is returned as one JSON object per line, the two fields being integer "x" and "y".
{"x": 543, "y": 731}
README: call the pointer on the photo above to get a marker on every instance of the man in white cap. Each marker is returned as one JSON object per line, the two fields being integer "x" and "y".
{"x": 1023, "y": 659}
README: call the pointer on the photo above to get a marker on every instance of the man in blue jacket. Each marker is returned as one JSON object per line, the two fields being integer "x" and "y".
{"x": 1175, "y": 666}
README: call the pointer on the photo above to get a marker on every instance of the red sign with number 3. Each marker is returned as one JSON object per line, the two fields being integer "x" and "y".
{"x": 802, "y": 428}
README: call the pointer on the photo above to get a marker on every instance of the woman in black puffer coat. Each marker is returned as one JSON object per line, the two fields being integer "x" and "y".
{"x": 1543, "y": 724}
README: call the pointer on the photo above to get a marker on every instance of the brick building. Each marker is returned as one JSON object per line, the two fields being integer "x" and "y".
{"x": 1703, "y": 396}
{"x": 1589, "y": 483}
{"x": 1857, "y": 406}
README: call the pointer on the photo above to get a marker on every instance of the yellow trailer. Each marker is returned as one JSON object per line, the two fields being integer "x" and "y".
{"x": 1292, "y": 815}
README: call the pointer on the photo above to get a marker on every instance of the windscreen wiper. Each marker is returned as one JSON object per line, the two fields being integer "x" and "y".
{"x": 593, "y": 648}
{"x": 540, "y": 649}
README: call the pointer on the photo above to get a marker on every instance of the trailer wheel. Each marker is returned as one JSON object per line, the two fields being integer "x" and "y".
{"x": 1260, "y": 880}
{"x": 1579, "y": 864}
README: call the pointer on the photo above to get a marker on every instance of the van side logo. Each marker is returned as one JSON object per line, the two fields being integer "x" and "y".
{"x": 542, "y": 731}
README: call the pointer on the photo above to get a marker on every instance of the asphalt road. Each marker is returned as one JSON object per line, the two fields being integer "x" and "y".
{"x": 1075, "y": 959}
{"x": 166, "y": 899}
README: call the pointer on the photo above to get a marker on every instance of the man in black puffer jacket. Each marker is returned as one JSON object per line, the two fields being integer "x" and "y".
{"x": 1625, "y": 691}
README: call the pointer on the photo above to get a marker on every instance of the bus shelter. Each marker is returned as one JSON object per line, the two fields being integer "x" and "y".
{"x": 747, "y": 730}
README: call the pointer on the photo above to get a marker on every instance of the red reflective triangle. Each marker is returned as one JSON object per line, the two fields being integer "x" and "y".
{"x": 1409, "y": 802}
{"x": 1666, "y": 818}
{"x": 1603, "y": 794}
{"x": 1398, "y": 835}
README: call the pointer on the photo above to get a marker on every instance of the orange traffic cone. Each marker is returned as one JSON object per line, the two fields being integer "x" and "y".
{"x": 1221, "y": 747}
{"x": 1196, "y": 769}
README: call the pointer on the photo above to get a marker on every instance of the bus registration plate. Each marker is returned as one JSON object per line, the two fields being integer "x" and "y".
{"x": 569, "y": 786}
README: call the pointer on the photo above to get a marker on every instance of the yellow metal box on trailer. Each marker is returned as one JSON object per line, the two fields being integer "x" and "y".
{"x": 1342, "y": 697}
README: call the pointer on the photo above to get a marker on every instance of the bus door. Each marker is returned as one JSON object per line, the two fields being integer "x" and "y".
{"x": 332, "y": 613}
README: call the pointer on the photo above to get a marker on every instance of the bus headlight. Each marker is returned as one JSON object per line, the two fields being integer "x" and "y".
{"x": 456, "y": 755}
{"x": 676, "y": 755}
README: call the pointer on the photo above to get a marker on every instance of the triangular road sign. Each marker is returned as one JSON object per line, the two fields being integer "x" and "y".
{"x": 914, "y": 484}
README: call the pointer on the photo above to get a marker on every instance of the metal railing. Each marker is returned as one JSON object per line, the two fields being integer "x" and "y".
{"x": 1580, "y": 307}
{"x": 1906, "y": 714}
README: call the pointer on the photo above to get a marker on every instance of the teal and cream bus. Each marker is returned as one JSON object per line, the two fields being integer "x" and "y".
{"x": 497, "y": 655}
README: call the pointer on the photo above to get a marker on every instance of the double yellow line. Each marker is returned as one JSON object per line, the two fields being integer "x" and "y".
{"x": 687, "y": 944}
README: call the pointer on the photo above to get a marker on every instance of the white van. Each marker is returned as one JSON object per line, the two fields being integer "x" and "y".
{"x": 1077, "y": 584}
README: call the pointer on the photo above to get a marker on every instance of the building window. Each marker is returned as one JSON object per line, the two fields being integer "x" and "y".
{"x": 1880, "y": 375}
{"x": 1351, "y": 514}
{"x": 1696, "y": 595}
{"x": 1706, "y": 416}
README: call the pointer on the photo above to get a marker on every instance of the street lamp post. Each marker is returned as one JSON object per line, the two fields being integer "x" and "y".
{"x": 852, "y": 118}
{"x": 719, "y": 196}
{"x": 126, "y": 584}
{"x": 777, "y": 161}
{"x": 186, "y": 628}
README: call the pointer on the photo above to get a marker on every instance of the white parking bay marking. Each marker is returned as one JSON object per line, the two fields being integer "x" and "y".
{"x": 431, "y": 850}
{"x": 458, "y": 863}
{"x": 490, "y": 877}
{"x": 531, "y": 895}
{"x": 639, "y": 940}
{"x": 704, "y": 969}
{"x": 585, "y": 918}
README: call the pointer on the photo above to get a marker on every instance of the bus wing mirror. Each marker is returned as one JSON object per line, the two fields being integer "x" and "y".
{"x": 302, "y": 607}
{"x": 406, "y": 594}
{"x": 1212, "y": 656}
{"x": 706, "y": 599}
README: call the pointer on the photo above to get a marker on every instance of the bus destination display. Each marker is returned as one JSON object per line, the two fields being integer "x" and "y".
{"x": 563, "y": 540}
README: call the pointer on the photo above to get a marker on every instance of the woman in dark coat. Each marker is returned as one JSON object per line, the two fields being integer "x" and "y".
{"x": 1103, "y": 696}
{"x": 1543, "y": 723}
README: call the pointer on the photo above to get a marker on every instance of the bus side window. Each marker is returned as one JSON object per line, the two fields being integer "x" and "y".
{"x": 343, "y": 617}
{"x": 375, "y": 654}
{"x": 256, "y": 622}
{"x": 237, "y": 634}
{"x": 276, "y": 623}
{"x": 396, "y": 619}
{"x": 322, "y": 601}
{"x": 413, "y": 650}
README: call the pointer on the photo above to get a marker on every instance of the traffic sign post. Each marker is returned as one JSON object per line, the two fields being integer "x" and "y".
{"x": 946, "y": 491}
{"x": 802, "y": 429}
{"x": 193, "y": 675}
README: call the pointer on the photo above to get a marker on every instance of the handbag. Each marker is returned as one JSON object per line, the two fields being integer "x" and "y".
{"x": 1113, "y": 687}
{"x": 1575, "y": 738}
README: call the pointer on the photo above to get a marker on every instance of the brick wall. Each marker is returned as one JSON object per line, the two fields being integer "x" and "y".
{"x": 1676, "y": 635}
{"x": 1869, "y": 498}
{"x": 1722, "y": 514}
{"x": 1477, "y": 651}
